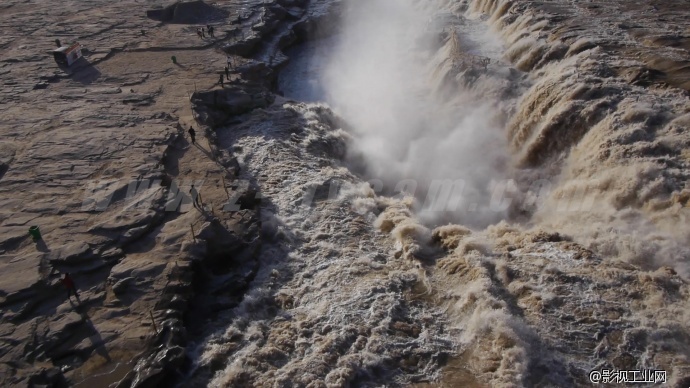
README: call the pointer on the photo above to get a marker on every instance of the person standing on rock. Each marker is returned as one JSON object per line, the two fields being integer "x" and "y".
{"x": 210, "y": 30}
{"x": 203, "y": 35}
{"x": 220, "y": 80}
{"x": 192, "y": 134}
{"x": 227, "y": 73}
{"x": 195, "y": 197}
{"x": 69, "y": 285}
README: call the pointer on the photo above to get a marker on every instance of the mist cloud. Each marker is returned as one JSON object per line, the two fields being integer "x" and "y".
{"x": 382, "y": 82}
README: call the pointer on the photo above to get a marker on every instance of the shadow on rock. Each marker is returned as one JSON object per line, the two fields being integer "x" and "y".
{"x": 82, "y": 71}
{"x": 52, "y": 377}
{"x": 41, "y": 246}
{"x": 94, "y": 335}
{"x": 189, "y": 12}
{"x": 217, "y": 107}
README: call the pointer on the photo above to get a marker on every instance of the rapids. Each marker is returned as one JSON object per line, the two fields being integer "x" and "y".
{"x": 461, "y": 193}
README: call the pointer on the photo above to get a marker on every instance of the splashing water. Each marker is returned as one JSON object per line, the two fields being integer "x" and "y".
{"x": 362, "y": 288}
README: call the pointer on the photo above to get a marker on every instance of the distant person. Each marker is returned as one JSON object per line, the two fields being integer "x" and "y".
{"x": 220, "y": 80}
{"x": 192, "y": 134}
{"x": 227, "y": 73}
{"x": 210, "y": 30}
{"x": 203, "y": 35}
{"x": 195, "y": 197}
{"x": 69, "y": 285}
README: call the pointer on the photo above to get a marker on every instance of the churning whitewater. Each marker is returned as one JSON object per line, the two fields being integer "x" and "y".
{"x": 479, "y": 198}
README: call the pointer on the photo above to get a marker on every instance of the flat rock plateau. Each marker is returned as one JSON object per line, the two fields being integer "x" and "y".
{"x": 293, "y": 270}
{"x": 97, "y": 155}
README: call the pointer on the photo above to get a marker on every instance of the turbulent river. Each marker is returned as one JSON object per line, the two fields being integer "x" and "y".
{"x": 453, "y": 198}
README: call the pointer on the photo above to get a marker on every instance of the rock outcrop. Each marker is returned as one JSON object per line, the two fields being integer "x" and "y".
{"x": 217, "y": 107}
{"x": 188, "y": 12}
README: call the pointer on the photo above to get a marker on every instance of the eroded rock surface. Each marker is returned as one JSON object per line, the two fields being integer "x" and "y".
{"x": 97, "y": 156}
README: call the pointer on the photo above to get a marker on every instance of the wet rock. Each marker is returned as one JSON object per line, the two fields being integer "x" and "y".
{"x": 162, "y": 366}
{"x": 248, "y": 199}
{"x": 177, "y": 303}
{"x": 321, "y": 23}
{"x": 50, "y": 377}
{"x": 225, "y": 248}
{"x": 172, "y": 314}
{"x": 258, "y": 72}
{"x": 188, "y": 12}
{"x": 157, "y": 369}
{"x": 292, "y": 3}
{"x": 218, "y": 106}
{"x": 267, "y": 26}
{"x": 244, "y": 47}
{"x": 277, "y": 12}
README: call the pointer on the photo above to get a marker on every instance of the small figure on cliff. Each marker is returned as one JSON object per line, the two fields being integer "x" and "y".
{"x": 210, "y": 30}
{"x": 227, "y": 73}
{"x": 203, "y": 33}
{"x": 195, "y": 197}
{"x": 192, "y": 134}
{"x": 220, "y": 80}
{"x": 69, "y": 285}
